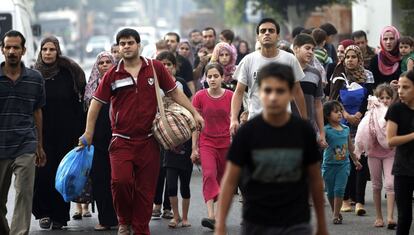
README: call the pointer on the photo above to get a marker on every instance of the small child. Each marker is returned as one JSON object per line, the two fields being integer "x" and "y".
{"x": 336, "y": 165}
{"x": 400, "y": 134}
{"x": 407, "y": 51}
{"x": 276, "y": 157}
{"x": 371, "y": 139}
{"x": 320, "y": 36}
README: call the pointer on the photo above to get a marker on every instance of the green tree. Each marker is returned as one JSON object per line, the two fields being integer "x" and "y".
{"x": 407, "y": 21}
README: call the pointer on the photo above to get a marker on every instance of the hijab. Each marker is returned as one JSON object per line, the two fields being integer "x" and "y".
{"x": 388, "y": 61}
{"x": 191, "y": 57}
{"x": 95, "y": 76}
{"x": 48, "y": 71}
{"x": 231, "y": 66}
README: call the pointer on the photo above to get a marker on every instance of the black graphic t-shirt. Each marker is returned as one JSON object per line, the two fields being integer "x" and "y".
{"x": 403, "y": 116}
{"x": 274, "y": 164}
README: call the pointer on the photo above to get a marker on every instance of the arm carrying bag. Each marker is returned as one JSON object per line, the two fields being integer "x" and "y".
{"x": 173, "y": 124}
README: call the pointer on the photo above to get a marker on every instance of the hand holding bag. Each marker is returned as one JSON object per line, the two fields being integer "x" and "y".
{"x": 173, "y": 124}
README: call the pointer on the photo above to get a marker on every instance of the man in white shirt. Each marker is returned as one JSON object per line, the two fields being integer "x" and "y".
{"x": 267, "y": 32}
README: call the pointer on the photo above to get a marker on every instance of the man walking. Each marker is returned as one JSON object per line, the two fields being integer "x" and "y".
{"x": 21, "y": 100}
{"x": 134, "y": 152}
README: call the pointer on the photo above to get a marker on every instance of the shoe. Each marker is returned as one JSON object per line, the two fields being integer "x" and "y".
{"x": 359, "y": 210}
{"x": 337, "y": 221}
{"x": 391, "y": 225}
{"x": 45, "y": 223}
{"x": 379, "y": 223}
{"x": 56, "y": 225}
{"x": 345, "y": 208}
{"x": 124, "y": 229}
{"x": 174, "y": 223}
{"x": 87, "y": 214}
{"x": 167, "y": 214}
{"x": 77, "y": 216}
{"x": 208, "y": 223}
{"x": 156, "y": 213}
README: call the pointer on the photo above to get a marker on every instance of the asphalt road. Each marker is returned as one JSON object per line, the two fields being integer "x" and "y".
{"x": 353, "y": 225}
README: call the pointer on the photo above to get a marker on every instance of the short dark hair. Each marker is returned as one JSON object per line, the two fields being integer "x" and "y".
{"x": 276, "y": 71}
{"x": 214, "y": 66}
{"x": 161, "y": 44}
{"x": 210, "y": 28}
{"x": 307, "y": 31}
{"x": 128, "y": 32}
{"x": 409, "y": 75}
{"x": 173, "y": 34}
{"x": 268, "y": 20}
{"x": 194, "y": 31}
{"x": 167, "y": 55}
{"x": 359, "y": 34}
{"x": 329, "y": 107}
{"x": 329, "y": 29}
{"x": 319, "y": 35}
{"x": 302, "y": 39}
{"x": 13, "y": 33}
{"x": 228, "y": 34}
{"x": 384, "y": 87}
{"x": 407, "y": 40}
{"x": 296, "y": 31}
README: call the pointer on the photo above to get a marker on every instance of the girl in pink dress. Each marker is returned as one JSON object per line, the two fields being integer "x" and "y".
{"x": 211, "y": 144}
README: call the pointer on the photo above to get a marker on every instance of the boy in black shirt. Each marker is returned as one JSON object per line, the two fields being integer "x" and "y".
{"x": 276, "y": 155}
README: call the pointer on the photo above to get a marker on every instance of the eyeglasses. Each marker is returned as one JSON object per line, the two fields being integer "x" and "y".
{"x": 263, "y": 31}
{"x": 104, "y": 62}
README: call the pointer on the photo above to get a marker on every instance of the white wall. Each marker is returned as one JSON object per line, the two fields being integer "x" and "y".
{"x": 371, "y": 16}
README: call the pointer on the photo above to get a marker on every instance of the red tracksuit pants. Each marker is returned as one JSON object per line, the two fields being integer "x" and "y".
{"x": 134, "y": 171}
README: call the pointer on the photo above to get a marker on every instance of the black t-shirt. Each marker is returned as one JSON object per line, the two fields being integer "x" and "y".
{"x": 274, "y": 164}
{"x": 403, "y": 116}
{"x": 184, "y": 69}
{"x": 378, "y": 76}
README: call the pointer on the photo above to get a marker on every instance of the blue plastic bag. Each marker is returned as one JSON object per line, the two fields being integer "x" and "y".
{"x": 73, "y": 172}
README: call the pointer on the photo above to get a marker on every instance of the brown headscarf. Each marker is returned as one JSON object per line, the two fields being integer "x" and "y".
{"x": 353, "y": 75}
{"x": 50, "y": 70}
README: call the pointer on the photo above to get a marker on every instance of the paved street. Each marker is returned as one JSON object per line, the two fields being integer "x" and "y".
{"x": 353, "y": 225}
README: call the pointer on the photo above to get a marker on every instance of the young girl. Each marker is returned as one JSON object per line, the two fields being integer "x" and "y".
{"x": 400, "y": 134}
{"x": 211, "y": 145}
{"x": 176, "y": 164}
{"x": 371, "y": 139}
{"x": 335, "y": 165}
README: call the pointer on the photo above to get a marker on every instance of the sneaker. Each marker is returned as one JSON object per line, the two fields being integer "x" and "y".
{"x": 156, "y": 213}
{"x": 208, "y": 223}
{"x": 167, "y": 214}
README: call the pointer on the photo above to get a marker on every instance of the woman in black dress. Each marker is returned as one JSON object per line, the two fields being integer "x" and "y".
{"x": 63, "y": 122}
{"x": 101, "y": 168}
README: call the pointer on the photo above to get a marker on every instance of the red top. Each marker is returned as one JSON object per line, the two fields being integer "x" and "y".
{"x": 216, "y": 113}
{"x": 133, "y": 104}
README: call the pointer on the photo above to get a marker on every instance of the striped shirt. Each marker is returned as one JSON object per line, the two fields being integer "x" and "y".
{"x": 18, "y": 101}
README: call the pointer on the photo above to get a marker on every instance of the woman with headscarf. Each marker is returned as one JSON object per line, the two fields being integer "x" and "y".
{"x": 184, "y": 49}
{"x": 63, "y": 121}
{"x": 386, "y": 65}
{"x": 242, "y": 50}
{"x": 101, "y": 168}
{"x": 226, "y": 57}
{"x": 350, "y": 84}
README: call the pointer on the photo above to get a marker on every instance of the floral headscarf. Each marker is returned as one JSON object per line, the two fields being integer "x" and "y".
{"x": 388, "y": 61}
{"x": 356, "y": 74}
{"x": 96, "y": 76}
{"x": 231, "y": 66}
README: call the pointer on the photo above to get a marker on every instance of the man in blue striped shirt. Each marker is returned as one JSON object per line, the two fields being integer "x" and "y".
{"x": 21, "y": 100}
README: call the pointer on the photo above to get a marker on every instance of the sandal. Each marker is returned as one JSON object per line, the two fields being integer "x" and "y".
{"x": 186, "y": 224}
{"x": 77, "y": 216}
{"x": 45, "y": 223}
{"x": 87, "y": 214}
{"x": 156, "y": 213}
{"x": 379, "y": 223}
{"x": 391, "y": 225}
{"x": 100, "y": 227}
{"x": 337, "y": 221}
{"x": 174, "y": 223}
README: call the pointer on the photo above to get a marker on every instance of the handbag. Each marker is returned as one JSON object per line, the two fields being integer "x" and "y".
{"x": 173, "y": 124}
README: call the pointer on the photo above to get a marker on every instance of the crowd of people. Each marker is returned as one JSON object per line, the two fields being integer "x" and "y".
{"x": 282, "y": 123}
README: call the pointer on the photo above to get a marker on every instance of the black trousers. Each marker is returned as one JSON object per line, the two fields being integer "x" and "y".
{"x": 404, "y": 187}
{"x": 162, "y": 187}
{"x": 357, "y": 182}
{"x": 172, "y": 181}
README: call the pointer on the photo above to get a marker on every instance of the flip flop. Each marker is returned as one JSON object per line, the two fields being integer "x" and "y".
{"x": 185, "y": 225}
{"x": 379, "y": 223}
{"x": 174, "y": 223}
{"x": 87, "y": 214}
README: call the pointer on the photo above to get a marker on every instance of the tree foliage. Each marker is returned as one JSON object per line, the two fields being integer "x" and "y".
{"x": 407, "y": 21}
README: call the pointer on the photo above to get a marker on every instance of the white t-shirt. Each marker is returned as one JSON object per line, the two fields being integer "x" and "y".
{"x": 246, "y": 73}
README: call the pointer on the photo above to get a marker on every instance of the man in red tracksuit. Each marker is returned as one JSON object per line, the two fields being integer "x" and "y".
{"x": 134, "y": 153}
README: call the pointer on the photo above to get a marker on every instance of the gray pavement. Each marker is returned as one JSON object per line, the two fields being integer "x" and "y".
{"x": 353, "y": 225}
